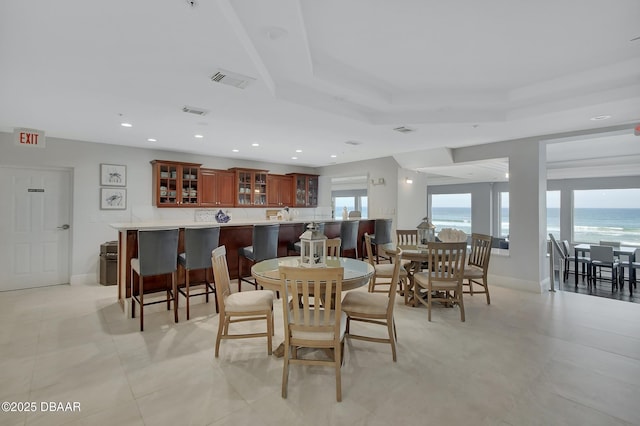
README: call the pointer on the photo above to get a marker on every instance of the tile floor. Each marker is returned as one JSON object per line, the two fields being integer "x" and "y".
{"x": 527, "y": 359}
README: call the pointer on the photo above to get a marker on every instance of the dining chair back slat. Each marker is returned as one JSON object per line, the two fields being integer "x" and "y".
{"x": 407, "y": 237}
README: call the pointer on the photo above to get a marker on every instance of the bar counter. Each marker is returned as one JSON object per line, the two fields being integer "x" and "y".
{"x": 233, "y": 235}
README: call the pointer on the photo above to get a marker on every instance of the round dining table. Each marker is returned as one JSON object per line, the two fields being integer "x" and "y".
{"x": 417, "y": 255}
{"x": 356, "y": 274}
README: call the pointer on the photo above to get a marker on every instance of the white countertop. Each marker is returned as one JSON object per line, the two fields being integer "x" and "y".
{"x": 165, "y": 224}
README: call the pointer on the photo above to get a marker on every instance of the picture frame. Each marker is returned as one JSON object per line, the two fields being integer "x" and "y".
{"x": 113, "y": 175}
{"x": 113, "y": 199}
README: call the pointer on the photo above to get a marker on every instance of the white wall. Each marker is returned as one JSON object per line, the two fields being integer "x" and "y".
{"x": 412, "y": 199}
{"x": 382, "y": 198}
{"x": 90, "y": 225}
{"x": 525, "y": 267}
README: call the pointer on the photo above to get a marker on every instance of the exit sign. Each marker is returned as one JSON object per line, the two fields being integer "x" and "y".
{"x": 29, "y": 138}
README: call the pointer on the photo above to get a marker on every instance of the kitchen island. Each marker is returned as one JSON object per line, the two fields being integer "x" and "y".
{"x": 233, "y": 235}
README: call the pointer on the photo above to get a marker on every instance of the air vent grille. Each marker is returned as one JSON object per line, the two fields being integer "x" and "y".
{"x": 193, "y": 110}
{"x": 404, "y": 129}
{"x": 231, "y": 79}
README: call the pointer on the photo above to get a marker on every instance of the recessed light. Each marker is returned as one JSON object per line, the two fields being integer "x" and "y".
{"x": 294, "y": 158}
{"x": 255, "y": 144}
{"x": 126, "y": 124}
{"x": 152, "y": 140}
{"x": 198, "y": 136}
{"x": 235, "y": 150}
{"x": 333, "y": 156}
{"x": 298, "y": 150}
{"x": 506, "y": 175}
{"x": 600, "y": 117}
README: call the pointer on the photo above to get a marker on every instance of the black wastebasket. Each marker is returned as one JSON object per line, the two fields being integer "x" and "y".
{"x": 109, "y": 263}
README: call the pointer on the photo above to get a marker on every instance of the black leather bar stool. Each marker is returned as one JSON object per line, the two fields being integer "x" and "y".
{"x": 157, "y": 255}
{"x": 349, "y": 236}
{"x": 264, "y": 246}
{"x": 198, "y": 245}
{"x": 382, "y": 235}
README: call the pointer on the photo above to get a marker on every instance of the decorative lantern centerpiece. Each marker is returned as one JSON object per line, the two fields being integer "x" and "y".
{"x": 426, "y": 232}
{"x": 313, "y": 248}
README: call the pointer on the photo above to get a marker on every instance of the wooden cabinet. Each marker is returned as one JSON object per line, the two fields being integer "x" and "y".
{"x": 251, "y": 187}
{"x": 305, "y": 190}
{"x": 279, "y": 190}
{"x": 217, "y": 188}
{"x": 176, "y": 184}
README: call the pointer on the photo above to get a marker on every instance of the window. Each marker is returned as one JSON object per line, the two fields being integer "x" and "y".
{"x": 504, "y": 214}
{"x": 607, "y": 214}
{"x": 451, "y": 211}
{"x": 352, "y": 200}
{"x": 553, "y": 213}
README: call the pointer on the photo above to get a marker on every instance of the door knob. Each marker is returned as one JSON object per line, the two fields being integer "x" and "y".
{"x": 65, "y": 226}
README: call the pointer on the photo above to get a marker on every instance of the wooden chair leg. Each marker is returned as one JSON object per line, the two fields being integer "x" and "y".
{"x": 133, "y": 298}
{"x": 141, "y": 296}
{"x": 186, "y": 291}
{"x": 240, "y": 273}
{"x": 174, "y": 286}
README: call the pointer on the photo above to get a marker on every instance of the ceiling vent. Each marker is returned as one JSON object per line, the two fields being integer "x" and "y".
{"x": 354, "y": 143}
{"x": 231, "y": 79}
{"x": 404, "y": 129}
{"x": 193, "y": 110}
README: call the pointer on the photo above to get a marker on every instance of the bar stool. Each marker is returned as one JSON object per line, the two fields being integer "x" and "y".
{"x": 157, "y": 255}
{"x": 382, "y": 235}
{"x": 349, "y": 236}
{"x": 198, "y": 245}
{"x": 264, "y": 246}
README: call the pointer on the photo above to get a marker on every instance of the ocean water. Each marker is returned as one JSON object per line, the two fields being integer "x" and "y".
{"x": 452, "y": 217}
{"x": 590, "y": 224}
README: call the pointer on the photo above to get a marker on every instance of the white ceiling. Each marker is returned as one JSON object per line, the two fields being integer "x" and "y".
{"x": 326, "y": 72}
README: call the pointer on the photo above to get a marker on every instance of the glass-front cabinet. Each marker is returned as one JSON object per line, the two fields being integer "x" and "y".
{"x": 175, "y": 184}
{"x": 305, "y": 190}
{"x": 251, "y": 187}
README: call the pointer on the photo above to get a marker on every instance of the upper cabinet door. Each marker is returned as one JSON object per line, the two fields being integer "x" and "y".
{"x": 175, "y": 184}
{"x": 251, "y": 187}
{"x": 279, "y": 190}
{"x": 305, "y": 190}
{"x": 217, "y": 188}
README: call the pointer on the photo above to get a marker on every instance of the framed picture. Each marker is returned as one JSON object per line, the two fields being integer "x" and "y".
{"x": 113, "y": 199}
{"x": 113, "y": 175}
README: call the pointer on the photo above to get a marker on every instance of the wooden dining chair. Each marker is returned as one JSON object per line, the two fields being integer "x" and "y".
{"x": 239, "y": 307}
{"x": 475, "y": 273}
{"x": 375, "y": 308}
{"x": 383, "y": 274}
{"x": 309, "y": 325}
{"x": 333, "y": 247}
{"x": 445, "y": 275}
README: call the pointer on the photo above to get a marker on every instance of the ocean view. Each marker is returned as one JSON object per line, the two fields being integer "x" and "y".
{"x": 590, "y": 224}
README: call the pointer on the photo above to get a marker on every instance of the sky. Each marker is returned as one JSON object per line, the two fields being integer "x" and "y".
{"x": 598, "y": 198}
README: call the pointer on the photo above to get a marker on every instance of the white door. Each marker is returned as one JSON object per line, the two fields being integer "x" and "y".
{"x": 34, "y": 227}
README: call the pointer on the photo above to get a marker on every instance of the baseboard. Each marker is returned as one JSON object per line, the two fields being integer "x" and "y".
{"x": 83, "y": 279}
{"x": 518, "y": 284}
